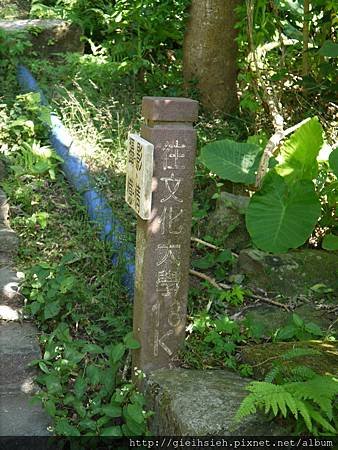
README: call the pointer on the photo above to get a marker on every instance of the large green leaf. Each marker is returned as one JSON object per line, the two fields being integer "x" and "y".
{"x": 231, "y": 160}
{"x": 333, "y": 161}
{"x": 298, "y": 156}
{"x": 281, "y": 216}
{"x": 330, "y": 242}
{"x": 329, "y": 49}
{"x": 52, "y": 309}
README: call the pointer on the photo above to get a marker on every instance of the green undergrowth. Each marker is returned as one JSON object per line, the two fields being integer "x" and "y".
{"x": 73, "y": 292}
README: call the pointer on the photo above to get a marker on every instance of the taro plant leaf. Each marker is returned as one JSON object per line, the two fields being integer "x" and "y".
{"x": 298, "y": 155}
{"x": 333, "y": 160}
{"x": 232, "y": 160}
{"x": 279, "y": 216}
{"x": 330, "y": 242}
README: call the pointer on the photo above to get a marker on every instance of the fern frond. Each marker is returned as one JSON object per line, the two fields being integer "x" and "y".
{"x": 315, "y": 415}
{"x": 321, "y": 390}
{"x": 299, "y": 352}
{"x": 272, "y": 374}
{"x": 303, "y": 410}
{"x": 246, "y": 408}
{"x": 302, "y": 373}
{"x": 272, "y": 397}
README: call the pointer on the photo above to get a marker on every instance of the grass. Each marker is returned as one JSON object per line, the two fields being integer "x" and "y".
{"x": 72, "y": 290}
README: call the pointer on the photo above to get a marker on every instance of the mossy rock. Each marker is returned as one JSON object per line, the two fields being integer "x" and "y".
{"x": 263, "y": 356}
{"x": 227, "y": 222}
{"x": 270, "y": 318}
{"x": 202, "y": 403}
{"x": 290, "y": 274}
{"x": 47, "y": 36}
{"x": 14, "y": 9}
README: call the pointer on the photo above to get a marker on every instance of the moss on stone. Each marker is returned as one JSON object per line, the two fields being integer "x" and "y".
{"x": 290, "y": 274}
{"x": 263, "y": 356}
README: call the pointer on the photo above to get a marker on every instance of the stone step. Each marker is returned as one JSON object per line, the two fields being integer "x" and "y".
{"x": 201, "y": 403}
{"x": 10, "y": 300}
{"x": 2, "y": 173}
{"x": 18, "y": 347}
{"x": 4, "y": 208}
{"x": 5, "y": 260}
{"x": 47, "y": 35}
{"x": 8, "y": 240}
{"x": 15, "y": 8}
{"x": 19, "y": 338}
{"x": 18, "y": 417}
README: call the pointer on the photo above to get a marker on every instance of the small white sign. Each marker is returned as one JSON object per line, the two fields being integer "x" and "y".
{"x": 139, "y": 175}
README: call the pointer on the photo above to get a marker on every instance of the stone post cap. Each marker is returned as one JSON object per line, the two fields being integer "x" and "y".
{"x": 170, "y": 109}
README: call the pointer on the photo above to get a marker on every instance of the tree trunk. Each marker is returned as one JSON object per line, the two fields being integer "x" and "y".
{"x": 210, "y": 53}
{"x": 306, "y": 25}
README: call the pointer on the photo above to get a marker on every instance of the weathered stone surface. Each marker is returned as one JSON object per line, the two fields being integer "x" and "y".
{"x": 14, "y": 9}
{"x": 8, "y": 240}
{"x": 2, "y": 172}
{"x": 10, "y": 299}
{"x": 19, "y": 418}
{"x": 18, "y": 347}
{"x": 227, "y": 222}
{"x": 4, "y": 208}
{"x": 49, "y": 36}
{"x": 15, "y": 374}
{"x": 4, "y": 260}
{"x": 169, "y": 109}
{"x": 19, "y": 338}
{"x": 272, "y": 317}
{"x": 261, "y": 356}
{"x": 163, "y": 241}
{"x": 289, "y": 274}
{"x": 201, "y": 403}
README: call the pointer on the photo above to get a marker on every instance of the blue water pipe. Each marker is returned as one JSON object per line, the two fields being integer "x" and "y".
{"x": 77, "y": 172}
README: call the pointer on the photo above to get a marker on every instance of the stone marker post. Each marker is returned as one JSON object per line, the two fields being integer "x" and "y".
{"x": 163, "y": 241}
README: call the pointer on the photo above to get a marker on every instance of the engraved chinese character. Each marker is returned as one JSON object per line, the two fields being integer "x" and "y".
{"x": 167, "y": 283}
{"x": 138, "y": 197}
{"x": 172, "y": 156}
{"x": 131, "y": 151}
{"x": 139, "y": 155}
{"x": 130, "y": 190}
{"x": 172, "y": 184}
{"x": 167, "y": 220}
{"x": 169, "y": 253}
